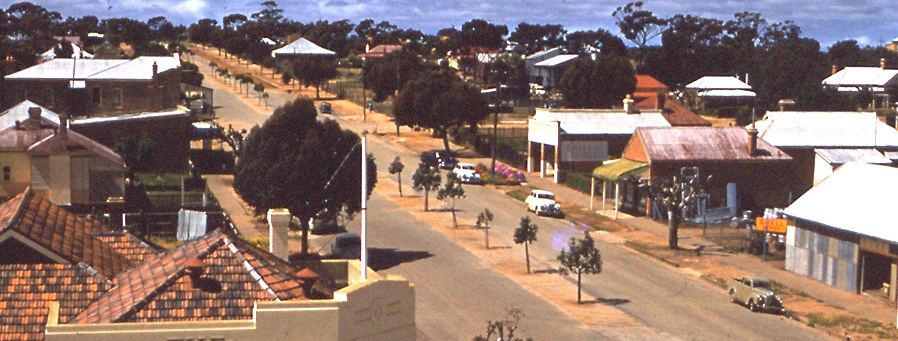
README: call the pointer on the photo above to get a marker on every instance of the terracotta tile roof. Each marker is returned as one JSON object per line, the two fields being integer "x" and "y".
{"x": 128, "y": 245}
{"x": 161, "y": 289}
{"x": 675, "y": 113}
{"x": 649, "y": 83}
{"x": 60, "y": 232}
{"x": 26, "y": 291}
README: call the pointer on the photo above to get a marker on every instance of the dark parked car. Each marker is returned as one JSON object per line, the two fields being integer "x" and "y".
{"x": 325, "y": 108}
{"x": 439, "y": 158}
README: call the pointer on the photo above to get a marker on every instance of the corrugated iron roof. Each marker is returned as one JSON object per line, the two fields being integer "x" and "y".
{"x": 302, "y": 46}
{"x": 726, "y": 93}
{"x": 614, "y": 170}
{"x": 601, "y": 121}
{"x": 718, "y": 83}
{"x": 854, "y": 198}
{"x": 19, "y": 112}
{"x": 704, "y": 144}
{"x": 840, "y": 156}
{"x": 826, "y": 129}
{"x": 554, "y": 50}
{"x": 557, "y": 60}
{"x": 75, "y": 143}
{"x": 140, "y": 68}
{"x": 862, "y": 77}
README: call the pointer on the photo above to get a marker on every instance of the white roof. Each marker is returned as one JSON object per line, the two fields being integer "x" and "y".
{"x": 554, "y": 50}
{"x": 140, "y": 68}
{"x": 557, "y": 60}
{"x": 854, "y": 198}
{"x": 726, "y": 93}
{"x": 840, "y": 156}
{"x": 826, "y": 129}
{"x": 19, "y": 112}
{"x": 862, "y": 77}
{"x": 598, "y": 121}
{"x": 718, "y": 83}
{"x": 301, "y": 46}
{"x": 129, "y": 117}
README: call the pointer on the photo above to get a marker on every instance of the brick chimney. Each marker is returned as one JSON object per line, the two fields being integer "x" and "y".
{"x": 155, "y": 69}
{"x": 307, "y": 278}
{"x": 628, "y": 104}
{"x": 34, "y": 119}
{"x": 752, "y": 140}
{"x": 882, "y": 63}
{"x": 834, "y": 69}
{"x": 659, "y": 104}
{"x": 279, "y": 224}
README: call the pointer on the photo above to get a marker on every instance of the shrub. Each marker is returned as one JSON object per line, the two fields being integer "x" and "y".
{"x": 579, "y": 181}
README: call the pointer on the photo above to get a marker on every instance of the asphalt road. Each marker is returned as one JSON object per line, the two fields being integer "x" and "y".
{"x": 456, "y": 293}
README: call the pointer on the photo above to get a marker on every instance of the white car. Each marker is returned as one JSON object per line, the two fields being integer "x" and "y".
{"x": 466, "y": 173}
{"x": 543, "y": 203}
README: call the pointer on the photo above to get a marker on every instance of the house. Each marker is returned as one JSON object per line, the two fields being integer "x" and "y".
{"x": 801, "y": 133}
{"x": 878, "y": 81}
{"x": 36, "y": 151}
{"x": 731, "y": 155}
{"x": 551, "y": 70}
{"x": 71, "y": 278}
{"x": 578, "y": 140}
{"x": 842, "y": 231}
{"x": 302, "y": 47}
{"x": 380, "y": 51}
{"x": 533, "y": 59}
{"x": 677, "y": 114}
{"x": 711, "y": 92}
{"x": 98, "y": 87}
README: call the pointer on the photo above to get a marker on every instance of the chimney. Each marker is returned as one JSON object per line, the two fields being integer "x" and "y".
{"x": 752, "y": 140}
{"x": 279, "y": 224}
{"x": 307, "y": 278}
{"x": 628, "y": 104}
{"x": 63, "y": 131}
{"x": 882, "y": 63}
{"x": 659, "y": 104}
{"x": 155, "y": 69}
{"x": 34, "y": 119}
{"x": 834, "y": 70}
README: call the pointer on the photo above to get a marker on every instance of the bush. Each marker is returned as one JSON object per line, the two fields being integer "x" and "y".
{"x": 579, "y": 181}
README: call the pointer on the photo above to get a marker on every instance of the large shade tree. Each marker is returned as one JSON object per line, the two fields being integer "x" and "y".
{"x": 306, "y": 165}
{"x": 599, "y": 83}
{"x": 439, "y": 100}
{"x": 313, "y": 71}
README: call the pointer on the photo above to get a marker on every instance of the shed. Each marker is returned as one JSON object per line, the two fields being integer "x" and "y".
{"x": 842, "y": 231}
{"x": 301, "y": 46}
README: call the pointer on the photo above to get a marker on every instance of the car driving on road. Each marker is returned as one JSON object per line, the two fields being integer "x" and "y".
{"x": 439, "y": 158}
{"x": 543, "y": 203}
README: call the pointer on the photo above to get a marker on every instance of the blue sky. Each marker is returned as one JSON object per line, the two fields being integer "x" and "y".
{"x": 870, "y": 22}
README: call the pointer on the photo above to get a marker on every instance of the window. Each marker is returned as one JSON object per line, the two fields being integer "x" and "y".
{"x": 117, "y": 98}
{"x": 7, "y": 173}
{"x": 96, "y": 96}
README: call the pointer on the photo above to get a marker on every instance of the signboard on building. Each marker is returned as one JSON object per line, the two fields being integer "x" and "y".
{"x": 772, "y": 225}
{"x": 545, "y": 132}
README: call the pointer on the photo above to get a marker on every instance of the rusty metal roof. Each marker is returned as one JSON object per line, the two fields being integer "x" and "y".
{"x": 704, "y": 144}
{"x": 826, "y": 129}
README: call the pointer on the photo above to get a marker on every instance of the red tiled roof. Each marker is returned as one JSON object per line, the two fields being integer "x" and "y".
{"x": 645, "y": 82}
{"x": 128, "y": 245}
{"x": 26, "y": 291}
{"x": 161, "y": 289}
{"x": 675, "y": 113}
{"x": 60, "y": 232}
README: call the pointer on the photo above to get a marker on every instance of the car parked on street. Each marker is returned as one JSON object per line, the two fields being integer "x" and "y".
{"x": 756, "y": 293}
{"x": 466, "y": 173}
{"x": 439, "y": 158}
{"x": 543, "y": 203}
{"x": 347, "y": 246}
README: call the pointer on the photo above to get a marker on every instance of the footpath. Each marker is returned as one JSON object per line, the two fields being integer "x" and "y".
{"x": 812, "y": 295}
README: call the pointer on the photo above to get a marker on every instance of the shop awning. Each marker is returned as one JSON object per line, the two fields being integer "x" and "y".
{"x": 613, "y": 171}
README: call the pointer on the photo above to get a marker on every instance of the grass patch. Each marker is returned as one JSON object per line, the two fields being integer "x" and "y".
{"x": 852, "y": 325}
{"x": 518, "y": 194}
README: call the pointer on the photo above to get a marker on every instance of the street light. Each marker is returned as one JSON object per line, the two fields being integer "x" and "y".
{"x": 364, "y": 246}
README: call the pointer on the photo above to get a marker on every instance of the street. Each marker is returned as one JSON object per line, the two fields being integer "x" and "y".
{"x": 457, "y": 293}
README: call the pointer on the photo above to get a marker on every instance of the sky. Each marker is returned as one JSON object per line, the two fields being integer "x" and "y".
{"x": 869, "y": 22}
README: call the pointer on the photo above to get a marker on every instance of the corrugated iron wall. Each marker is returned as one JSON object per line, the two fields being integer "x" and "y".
{"x": 826, "y": 259}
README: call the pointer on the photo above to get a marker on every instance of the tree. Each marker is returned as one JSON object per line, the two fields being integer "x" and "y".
{"x": 452, "y": 190}
{"x": 504, "y": 329}
{"x": 306, "y": 165}
{"x": 532, "y": 38}
{"x": 677, "y": 195}
{"x": 583, "y": 258}
{"x": 426, "y": 178}
{"x": 579, "y": 42}
{"x": 526, "y": 234}
{"x": 137, "y": 151}
{"x": 385, "y": 76}
{"x": 64, "y": 49}
{"x": 439, "y": 100}
{"x": 396, "y": 168}
{"x": 312, "y": 71}
{"x": 636, "y": 24}
{"x": 483, "y": 222}
{"x": 599, "y": 83}
{"x": 259, "y": 88}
